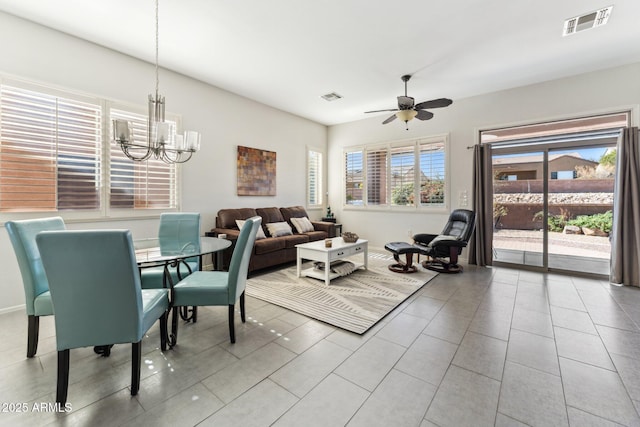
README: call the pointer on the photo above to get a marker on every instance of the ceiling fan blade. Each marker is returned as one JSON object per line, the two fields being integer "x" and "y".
{"x": 381, "y": 111}
{"x": 424, "y": 115}
{"x": 434, "y": 103}
{"x": 390, "y": 119}
{"x": 405, "y": 102}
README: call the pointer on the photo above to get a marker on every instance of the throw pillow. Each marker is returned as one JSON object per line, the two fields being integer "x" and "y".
{"x": 302, "y": 225}
{"x": 260, "y": 235}
{"x": 277, "y": 229}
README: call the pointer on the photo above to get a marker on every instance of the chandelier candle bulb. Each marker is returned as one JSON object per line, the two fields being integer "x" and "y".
{"x": 121, "y": 130}
{"x": 180, "y": 145}
{"x": 162, "y": 133}
{"x": 192, "y": 140}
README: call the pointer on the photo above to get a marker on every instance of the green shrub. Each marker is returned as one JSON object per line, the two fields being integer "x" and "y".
{"x": 554, "y": 222}
{"x": 602, "y": 221}
{"x": 403, "y": 195}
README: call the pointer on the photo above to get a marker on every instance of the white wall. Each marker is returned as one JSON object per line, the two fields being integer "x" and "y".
{"x": 597, "y": 92}
{"x": 38, "y": 54}
{"x": 225, "y": 120}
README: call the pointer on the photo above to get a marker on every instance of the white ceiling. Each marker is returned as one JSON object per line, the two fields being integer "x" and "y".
{"x": 286, "y": 53}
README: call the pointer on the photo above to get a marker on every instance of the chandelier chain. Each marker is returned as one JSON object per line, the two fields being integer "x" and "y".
{"x": 157, "y": 50}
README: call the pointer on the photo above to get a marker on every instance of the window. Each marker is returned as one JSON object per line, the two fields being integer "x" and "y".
{"x": 55, "y": 156}
{"x": 432, "y": 173}
{"x": 408, "y": 174}
{"x": 564, "y": 175}
{"x": 376, "y": 177}
{"x": 49, "y": 152}
{"x": 353, "y": 177}
{"x": 403, "y": 160}
{"x": 314, "y": 178}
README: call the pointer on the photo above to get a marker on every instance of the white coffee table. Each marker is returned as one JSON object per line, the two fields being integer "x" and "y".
{"x": 317, "y": 251}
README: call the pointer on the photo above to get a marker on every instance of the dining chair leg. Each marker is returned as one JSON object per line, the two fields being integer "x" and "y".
{"x": 232, "y": 332}
{"x": 173, "y": 338}
{"x": 136, "y": 360}
{"x": 242, "y": 316}
{"x": 32, "y": 335}
{"x": 163, "y": 331}
{"x": 63, "y": 377}
{"x": 194, "y": 313}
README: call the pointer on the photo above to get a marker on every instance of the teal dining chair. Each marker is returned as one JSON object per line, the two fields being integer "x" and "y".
{"x": 95, "y": 290}
{"x": 210, "y": 288}
{"x": 36, "y": 288}
{"x": 176, "y": 231}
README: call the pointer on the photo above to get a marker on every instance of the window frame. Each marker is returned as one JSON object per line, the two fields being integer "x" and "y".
{"x": 104, "y": 212}
{"x": 416, "y": 144}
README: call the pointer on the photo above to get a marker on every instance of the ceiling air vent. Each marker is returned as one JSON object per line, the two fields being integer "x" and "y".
{"x": 585, "y": 22}
{"x": 331, "y": 96}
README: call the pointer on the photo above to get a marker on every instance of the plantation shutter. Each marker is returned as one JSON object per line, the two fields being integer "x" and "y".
{"x": 140, "y": 185}
{"x": 50, "y": 152}
{"x": 376, "y": 174}
{"x": 353, "y": 177}
{"x": 432, "y": 173}
{"x": 314, "y": 178}
{"x": 403, "y": 176}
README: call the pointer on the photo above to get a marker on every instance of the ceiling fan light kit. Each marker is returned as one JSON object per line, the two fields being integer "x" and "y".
{"x": 406, "y": 115}
{"x": 407, "y": 109}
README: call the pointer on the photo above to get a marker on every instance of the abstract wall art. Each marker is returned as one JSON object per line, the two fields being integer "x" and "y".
{"x": 256, "y": 172}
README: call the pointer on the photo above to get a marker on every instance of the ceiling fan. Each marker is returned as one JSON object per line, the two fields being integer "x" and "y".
{"x": 407, "y": 109}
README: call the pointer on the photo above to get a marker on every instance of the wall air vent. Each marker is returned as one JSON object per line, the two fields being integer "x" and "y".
{"x": 331, "y": 96}
{"x": 587, "y": 21}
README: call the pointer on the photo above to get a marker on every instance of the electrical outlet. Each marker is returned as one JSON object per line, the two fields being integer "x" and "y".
{"x": 463, "y": 199}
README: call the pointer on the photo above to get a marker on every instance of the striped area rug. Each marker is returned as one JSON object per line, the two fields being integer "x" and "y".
{"x": 355, "y": 302}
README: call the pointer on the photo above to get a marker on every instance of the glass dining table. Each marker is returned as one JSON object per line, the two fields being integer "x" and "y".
{"x": 149, "y": 254}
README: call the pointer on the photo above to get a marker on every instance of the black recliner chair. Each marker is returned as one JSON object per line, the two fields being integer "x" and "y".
{"x": 444, "y": 248}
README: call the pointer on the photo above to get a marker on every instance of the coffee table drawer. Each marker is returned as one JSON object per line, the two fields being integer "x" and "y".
{"x": 346, "y": 252}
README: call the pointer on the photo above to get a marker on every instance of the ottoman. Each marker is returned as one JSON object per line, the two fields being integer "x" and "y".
{"x": 398, "y": 248}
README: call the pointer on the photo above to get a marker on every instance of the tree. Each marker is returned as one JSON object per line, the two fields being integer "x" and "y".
{"x": 609, "y": 158}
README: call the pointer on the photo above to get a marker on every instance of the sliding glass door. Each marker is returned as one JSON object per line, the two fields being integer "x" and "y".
{"x": 580, "y": 206}
{"x": 552, "y": 206}
{"x": 517, "y": 203}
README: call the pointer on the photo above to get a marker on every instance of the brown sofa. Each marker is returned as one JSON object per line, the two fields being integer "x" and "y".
{"x": 271, "y": 250}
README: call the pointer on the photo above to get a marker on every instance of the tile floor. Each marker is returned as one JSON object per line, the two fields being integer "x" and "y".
{"x": 489, "y": 347}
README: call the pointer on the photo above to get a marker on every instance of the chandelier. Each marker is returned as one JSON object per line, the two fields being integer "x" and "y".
{"x": 162, "y": 142}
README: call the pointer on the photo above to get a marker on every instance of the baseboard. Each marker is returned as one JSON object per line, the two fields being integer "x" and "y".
{"x": 12, "y": 309}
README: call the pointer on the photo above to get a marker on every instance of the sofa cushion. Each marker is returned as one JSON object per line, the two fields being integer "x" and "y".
{"x": 277, "y": 229}
{"x": 302, "y": 225}
{"x": 265, "y": 246}
{"x": 227, "y": 217}
{"x": 294, "y": 239}
{"x": 260, "y": 235}
{"x": 293, "y": 212}
{"x": 269, "y": 215}
{"x": 316, "y": 235}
